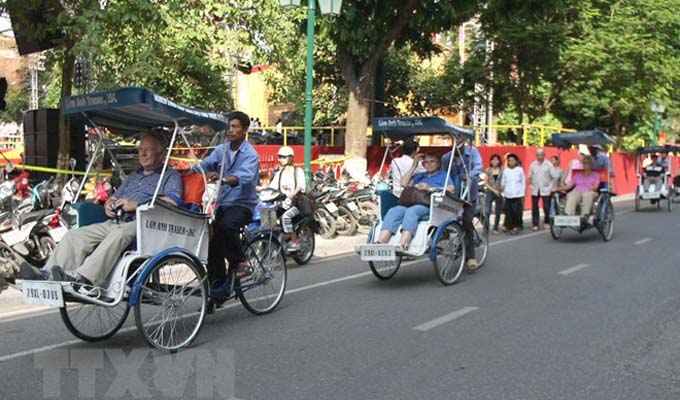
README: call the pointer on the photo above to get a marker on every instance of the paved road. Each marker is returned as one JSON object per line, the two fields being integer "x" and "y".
{"x": 571, "y": 319}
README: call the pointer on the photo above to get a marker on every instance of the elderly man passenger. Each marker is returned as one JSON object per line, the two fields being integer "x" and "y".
{"x": 87, "y": 255}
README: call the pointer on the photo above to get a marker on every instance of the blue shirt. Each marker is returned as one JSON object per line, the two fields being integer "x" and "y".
{"x": 140, "y": 187}
{"x": 470, "y": 156}
{"x": 243, "y": 164}
{"x": 435, "y": 181}
{"x": 602, "y": 162}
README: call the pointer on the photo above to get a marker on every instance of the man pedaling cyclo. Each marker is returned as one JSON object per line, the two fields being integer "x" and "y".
{"x": 236, "y": 201}
{"x": 87, "y": 255}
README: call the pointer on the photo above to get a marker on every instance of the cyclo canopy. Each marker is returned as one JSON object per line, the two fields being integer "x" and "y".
{"x": 129, "y": 111}
{"x": 402, "y": 128}
{"x": 589, "y": 138}
{"x": 669, "y": 148}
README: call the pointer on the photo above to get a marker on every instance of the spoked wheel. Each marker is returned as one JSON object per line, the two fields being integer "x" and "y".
{"x": 263, "y": 290}
{"x": 93, "y": 322}
{"x": 450, "y": 259}
{"x": 346, "y": 224}
{"x": 173, "y": 302}
{"x": 606, "y": 225}
{"x": 555, "y": 231}
{"x": 369, "y": 214}
{"x": 481, "y": 240}
{"x": 326, "y": 223}
{"x": 307, "y": 244}
{"x": 669, "y": 199}
{"x": 384, "y": 270}
{"x": 637, "y": 199}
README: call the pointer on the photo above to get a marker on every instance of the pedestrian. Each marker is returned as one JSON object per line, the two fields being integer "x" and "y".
{"x": 492, "y": 182}
{"x": 400, "y": 165}
{"x": 542, "y": 178}
{"x": 513, "y": 187}
{"x": 559, "y": 172}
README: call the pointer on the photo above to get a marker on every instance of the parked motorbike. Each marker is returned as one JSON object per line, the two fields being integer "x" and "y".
{"x": 303, "y": 226}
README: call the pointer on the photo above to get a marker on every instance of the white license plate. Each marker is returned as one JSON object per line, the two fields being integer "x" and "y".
{"x": 352, "y": 206}
{"x": 13, "y": 237}
{"x": 377, "y": 252}
{"x": 651, "y": 195}
{"x": 331, "y": 207}
{"x": 58, "y": 233}
{"x": 43, "y": 293}
{"x": 567, "y": 220}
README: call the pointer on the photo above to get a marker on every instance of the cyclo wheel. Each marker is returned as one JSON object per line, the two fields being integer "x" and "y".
{"x": 307, "y": 245}
{"x": 93, "y": 322}
{"x": 384, "y": 270}
{"x": 555, "y": 231}
{"x": 637, "y": 199}
{"x": 171, "y": 293}
{"x": 607, "y": 222}
{"x": 450, "y": 254}
{"x": 481, "y": 239}
{"x": 670, "y": 201}
{"x": 263, "y": 290}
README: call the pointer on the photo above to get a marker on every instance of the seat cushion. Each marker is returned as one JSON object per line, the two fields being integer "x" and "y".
{"x": 194, "y": 187}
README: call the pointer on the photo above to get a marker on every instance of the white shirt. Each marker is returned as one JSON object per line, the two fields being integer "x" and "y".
{"x": 514, "y": 182}
{"x": 285, "y": 181}
{"x": 398, "y": 168}
{"x": 542, "y": 176}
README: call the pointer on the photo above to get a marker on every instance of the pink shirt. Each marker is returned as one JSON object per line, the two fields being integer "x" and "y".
{"x": 585, "y": 183}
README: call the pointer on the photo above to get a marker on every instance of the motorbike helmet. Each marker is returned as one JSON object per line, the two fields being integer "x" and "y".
{"x": 286, "y": 151}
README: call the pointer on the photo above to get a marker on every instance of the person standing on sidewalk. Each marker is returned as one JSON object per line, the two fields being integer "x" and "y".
{"x": 400, "y": 165}
{"x": 492, "y": 181}
{"x": 542, "y": 178}
{"x": 513, "y": 187}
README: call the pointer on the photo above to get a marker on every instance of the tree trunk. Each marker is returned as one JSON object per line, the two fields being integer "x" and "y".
{"x": 64, "y": 123}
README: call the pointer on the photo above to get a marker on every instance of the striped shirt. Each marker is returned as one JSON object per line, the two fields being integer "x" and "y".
{"x": 140, "y": 187}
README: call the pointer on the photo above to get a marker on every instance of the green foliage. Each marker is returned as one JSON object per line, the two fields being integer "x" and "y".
{"x": 17, "y": 102}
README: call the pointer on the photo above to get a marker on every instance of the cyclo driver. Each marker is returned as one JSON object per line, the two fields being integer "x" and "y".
{"x": 236, "y": 201}
{"x": 473, "y": 160}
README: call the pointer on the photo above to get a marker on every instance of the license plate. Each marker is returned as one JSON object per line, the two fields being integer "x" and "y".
{"x": 43, "y": 293}
{"x": 12, "y": 237}
{"x": 58, "y": 233}
{"x": 567, "y": 220}
{"x": 352, "y": 206}
{"x": 651, "y": 195}
{"x": 332, "y": 208}
{"x": 377, "y": 252}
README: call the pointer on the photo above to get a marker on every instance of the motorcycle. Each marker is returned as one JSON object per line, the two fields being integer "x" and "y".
{"x": 303, "y": 226}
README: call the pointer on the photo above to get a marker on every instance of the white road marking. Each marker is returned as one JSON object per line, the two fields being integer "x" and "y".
{"x": 643, "y": 241}
{"x": 444, "y": 319}
{"x": 574, "y": 269}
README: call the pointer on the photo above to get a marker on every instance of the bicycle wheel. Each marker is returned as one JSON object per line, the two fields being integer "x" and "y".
{"x": 172, "y": 292}
{"x": 93, "y": 322}
{"x": 262, "y": 291}
{"x": 606, "y": 225}
{"x": 307, "y": 244}
{"x": 481, "y": 240}
{"x": 450, "y": 254}
{"x": 637, "y": 199}
{"x": 555, "y": 231}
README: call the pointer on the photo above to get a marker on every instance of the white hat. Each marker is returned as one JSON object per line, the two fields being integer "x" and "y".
{"x": 286, "y": 151}
{"x": 583, "y": 150}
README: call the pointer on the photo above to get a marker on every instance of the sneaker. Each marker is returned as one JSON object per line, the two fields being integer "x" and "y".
{"x": 471, "y": 265}
{"x": 546, "y": 226}
{"x": 293, "y": 246}
{"x": 31, "y": 273}
{"x": 534, "y": 228}
{"x": 85, "y": 286}
{"x": 59, "y": 275}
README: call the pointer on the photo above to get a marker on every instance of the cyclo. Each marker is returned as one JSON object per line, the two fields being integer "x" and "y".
{"x": 658, "y": 191}
{"x": 163, "y": 276}
{"x": 602, "y": 217}
{"x": 439, "y": 236}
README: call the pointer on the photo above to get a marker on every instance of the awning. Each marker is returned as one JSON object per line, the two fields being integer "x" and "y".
{"x": 401, "y": 128}
{"x": 589, "y": 138}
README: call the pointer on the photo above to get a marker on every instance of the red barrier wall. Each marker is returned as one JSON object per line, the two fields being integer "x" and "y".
{"x": 624, "y": 163}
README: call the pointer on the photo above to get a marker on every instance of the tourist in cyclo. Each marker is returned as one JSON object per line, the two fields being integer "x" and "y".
{"x": 585, "y": 185}
{"x": 400, "y": 165}
{"x": 653, "y": 174}
{"x": 87, "y": 255}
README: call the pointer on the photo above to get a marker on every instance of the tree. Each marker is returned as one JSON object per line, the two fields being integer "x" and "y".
{"x": 363, "y": 33}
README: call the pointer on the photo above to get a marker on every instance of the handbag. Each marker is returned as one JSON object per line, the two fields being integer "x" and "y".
{"x": 411, "y": 196}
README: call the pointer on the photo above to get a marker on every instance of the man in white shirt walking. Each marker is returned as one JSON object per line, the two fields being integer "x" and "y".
{"x": 400, "y": 165}
{"x": 542, "y": 178}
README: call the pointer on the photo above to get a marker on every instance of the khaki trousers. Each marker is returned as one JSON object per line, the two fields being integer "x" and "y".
{"x": 92, "y": 251}
{"x": 585, "y": 198}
